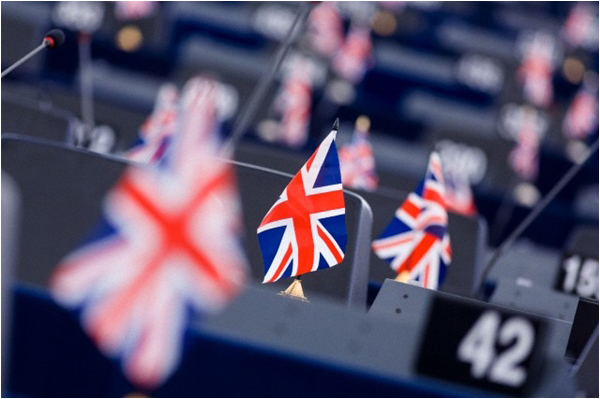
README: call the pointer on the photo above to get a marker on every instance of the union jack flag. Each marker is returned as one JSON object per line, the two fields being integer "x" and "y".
{"x": 125, "y": 10}
{"x": 582, "y": 115}
{"x": 581, "y": 27}
{"x": 325, "y": 29}
{"x": 459, "y": 196}
{"x": 294, "y": 103}
{"x": 524, "y": 157}
{"x": 158, "y": 128}
{"x": 536, "y": 70}
{"x": 305, "y": 230}
{"x": 356, "y": 159}
{"x": 416, "y": 241}
{"x": 169, "y": 245}
{"x": 351, "y": 61}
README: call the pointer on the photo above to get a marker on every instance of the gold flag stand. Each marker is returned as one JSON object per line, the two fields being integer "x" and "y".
{"x": 295, "y": 291}
{"x": 403, "y": 277}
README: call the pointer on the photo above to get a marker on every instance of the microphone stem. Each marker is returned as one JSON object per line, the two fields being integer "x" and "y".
{"x": 86, "y": 87}
{"x": 22, "y": 60}
{"x": 536, "y": 211}
{"x": 251, "y": 107}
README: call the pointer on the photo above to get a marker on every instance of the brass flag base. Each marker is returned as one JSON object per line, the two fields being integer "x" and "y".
{"x": 295, "y": 291}
{"x": 403, "y": 277}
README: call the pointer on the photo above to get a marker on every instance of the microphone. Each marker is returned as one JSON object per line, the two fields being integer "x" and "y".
{"x": 53, "y": 39}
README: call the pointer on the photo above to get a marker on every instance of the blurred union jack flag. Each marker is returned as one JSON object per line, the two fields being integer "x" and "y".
{"x": 351, "y": 61}
{"x": 125, "y": 10}
{"x": 459, "y": 196}
{"x": 536, "y": 70}
{"x": 325, "y": 29}
{"x": 158, "y": 128}
{"x": 582, "y": 115}
{"x": 294, "y": 103}
{"x": 305, "y": 230}
{"x": 356, "y": 159}
{"x": 416, "y": 242}
{"x": 524, "y": 156}
{"x": 581, "y": 27}
{"x": 169, "y": 245}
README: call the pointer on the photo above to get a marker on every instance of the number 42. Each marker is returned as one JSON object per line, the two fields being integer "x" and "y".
{"x": 478, "y": 348}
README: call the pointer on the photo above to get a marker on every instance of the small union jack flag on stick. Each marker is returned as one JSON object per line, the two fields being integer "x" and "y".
{"x": 305, "y": 230}
{"x": 170, "y": 246}
{"x": 158, "y": 128}
{"x": 416, "y": 242}
{"x": 357, "y": 161}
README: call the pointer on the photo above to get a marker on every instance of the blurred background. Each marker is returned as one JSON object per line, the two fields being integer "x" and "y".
{"x": 467, "y": 78}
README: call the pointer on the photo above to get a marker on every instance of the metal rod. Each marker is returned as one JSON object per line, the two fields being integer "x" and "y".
{"x": 584, "y": 353}
{"x": 536, "y": 211}
{"x": 257, "y": 96}
{"x": 25, "y": 58}
{"x": 86, "y": 87}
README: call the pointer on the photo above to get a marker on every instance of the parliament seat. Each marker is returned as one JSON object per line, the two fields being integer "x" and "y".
{"x": 441, "y": 315}
{"x": 38, "y": 120}
{"x": 469, "y": 234}
{"x": 231, "y": 23}
{"x": 120, "y": 101}
{"x": 232, "y": 65}
{"x": 336, "y": 351}
{"x": 468, "y": 237}
{"x": 124, "y": 121}
{"x": 586, "y": 368}
{"x": 63, "y": 192}
{"x": 526, "y": 262}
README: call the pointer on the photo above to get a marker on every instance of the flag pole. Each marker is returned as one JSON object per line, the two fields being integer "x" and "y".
{"x": 260, "y": 90}
{"x": 536, "y": 211}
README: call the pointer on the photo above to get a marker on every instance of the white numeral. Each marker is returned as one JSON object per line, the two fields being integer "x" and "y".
{"x": 587, "y": 286}
{"x": 478, "y": 348}
{"x": 506, "y": 370}
{"x": 581, "y": 279}
{"x": 571, "y": 266}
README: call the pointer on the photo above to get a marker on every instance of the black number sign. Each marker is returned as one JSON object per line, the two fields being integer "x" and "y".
{"x": 584, "y": 324}
{"x": 490, "y": 348}
{"x": 578, "y": 276}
